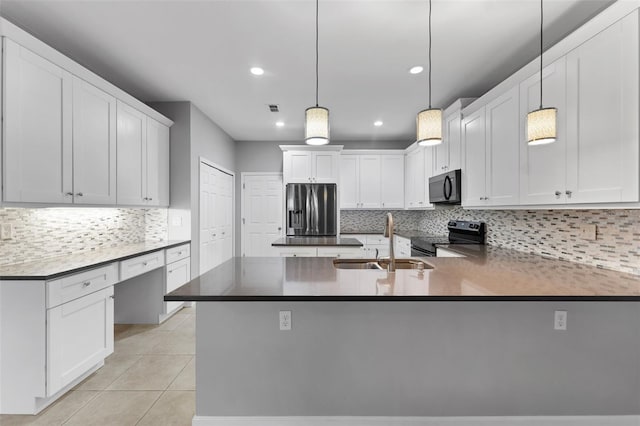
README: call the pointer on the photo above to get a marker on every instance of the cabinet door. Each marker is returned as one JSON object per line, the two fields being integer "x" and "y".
{"x": 94, "y": 145}
{"x": 543, "y": 167}
{"x": 369, "y": 181}
{"x": 37, "y": 128}
{"x": 79, "y": 335}
{"x": 297, "y": 167}
{"x": 602, "y": 108}
{"x": 454, "y": 142}
{"x": 349, "y": 177}
{"x": 157, "y": 164}
{"x": 428, "y": 154}
{"x": 132, "y": 165}
{"x": 325, "y": 167}
{"x": 502, "y": 149}
{"x": 475, "y": 168}
{"x": 416, "y": 178}
{"x": 392, "y": 181}
{"x": 178, "y": 274}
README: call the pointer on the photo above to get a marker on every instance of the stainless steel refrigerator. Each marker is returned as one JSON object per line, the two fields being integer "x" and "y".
{"x": 312, "y": 209}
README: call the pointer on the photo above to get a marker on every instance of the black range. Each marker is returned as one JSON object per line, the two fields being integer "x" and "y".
{"x": 460, "y": 232}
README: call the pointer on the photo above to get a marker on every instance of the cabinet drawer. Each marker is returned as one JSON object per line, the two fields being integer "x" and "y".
{"x": 348, "y": 252}
{"x": 77, "y": 285}
{"x": 298, "y": 252}
{"x": 377, "y": 240}
{"x": 139, "y": 265}
{"x": 177, "y": 253}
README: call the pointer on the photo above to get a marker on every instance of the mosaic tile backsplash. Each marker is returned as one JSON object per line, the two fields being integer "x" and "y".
{"x": 552, "y": 233}
{"x": 51, "y": 232}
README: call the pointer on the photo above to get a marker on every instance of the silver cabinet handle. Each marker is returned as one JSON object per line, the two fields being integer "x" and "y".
{"x": 112, "y": 297}
{"x": 568, "y": 193}
{"x": 145, "y": 263}
{"x": 179, "y": 253}
{"x": 86, "y": 284}
{"x": 79, "y": 194}
{"x": 150, "y": 199}
{"x": 170, "y": 271}
{"x": 68, "y": 194}
{"x": 558, "y": 194}
{"x": 223, "y": 233}
{"x": 279, "y": 228}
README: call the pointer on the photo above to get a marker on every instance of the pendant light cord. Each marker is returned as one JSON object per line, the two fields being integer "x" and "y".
{"x": 429, "y": 54}
{"x": 541, "y": 21}
{"x": 316, "y": 53}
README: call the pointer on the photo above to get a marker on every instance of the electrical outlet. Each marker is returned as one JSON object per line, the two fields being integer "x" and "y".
{"x": 588, "y": 232}
{"x": 285, "y": 320}
{"x": 560, "y": 320}
{"x": 6, "y": 231}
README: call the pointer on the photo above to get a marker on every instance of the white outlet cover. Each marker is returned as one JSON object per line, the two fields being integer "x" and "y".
{"x": 285, "y": 320}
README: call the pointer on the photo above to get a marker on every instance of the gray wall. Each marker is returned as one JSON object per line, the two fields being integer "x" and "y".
{"x": 193, "y": 135}
{"x": 417, "y": 359}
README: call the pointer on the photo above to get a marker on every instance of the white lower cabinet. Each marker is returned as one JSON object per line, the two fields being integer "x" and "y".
{"x": 79, "y": 336}
{"x": 402, "y": 246}
{"x": 178, "y": 274}
{"x": 297, "y": 251}
{"x": 350, "y": 252}
{"x": 343, "y": 252}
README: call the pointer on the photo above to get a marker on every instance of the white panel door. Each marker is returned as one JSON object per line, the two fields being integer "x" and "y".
{"x": 226, "y": 232}
{"x": 325, "y": 167}
{"x": 207, "y": 220}
{"x": 349, "y": 177}
{"x": 543, "y": 167}
{"x": 475, "y": 168}
{"x": 79, "y": 335}
{"x": 157, "y": 164}
{"x": 37, "y": 124}
{"x": 131, "y": 155}
{"x": 602, "y": 108}
{"x": 502, "y": 145}
{"x": 391, "y": 181}
{"x": 262, "y": 214}
{"x": 94, "y": 145}
{"x": 369, "y": 181}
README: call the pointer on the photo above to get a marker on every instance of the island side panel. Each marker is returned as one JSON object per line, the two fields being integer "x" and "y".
{"x": 417, "y": 359}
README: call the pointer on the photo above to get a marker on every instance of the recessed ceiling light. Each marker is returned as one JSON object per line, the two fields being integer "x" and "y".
{"x": 280, "y": 123}
{"x": 257, "y": 71}
{"x": 416, "y": 70}
{"x": 377, "y": 123}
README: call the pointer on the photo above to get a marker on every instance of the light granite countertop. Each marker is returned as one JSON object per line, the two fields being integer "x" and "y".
{"x": 486, "y": 274}
{"x": 55, "y": 267}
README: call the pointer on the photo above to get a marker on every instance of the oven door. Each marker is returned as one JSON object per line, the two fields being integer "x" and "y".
{"x": 422, "y": 252}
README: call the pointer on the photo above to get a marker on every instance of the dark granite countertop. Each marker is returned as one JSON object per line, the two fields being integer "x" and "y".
{"x": 486, "y": 274}
{"x": 55, "y": 267}
{"x": 317, "y": 241}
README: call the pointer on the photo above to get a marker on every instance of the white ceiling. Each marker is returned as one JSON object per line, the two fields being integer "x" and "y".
{"x": 201, "y": 51}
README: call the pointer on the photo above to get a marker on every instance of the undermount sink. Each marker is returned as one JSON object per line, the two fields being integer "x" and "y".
{"x": 380, "y": 264}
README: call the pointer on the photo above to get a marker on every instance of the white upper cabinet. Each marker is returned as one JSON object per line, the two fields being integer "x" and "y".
{"x": 502, "y": 149}
{"x": 491, "y": 138}
{"x": 37, "y": 152}
{"x": 132, "y": 164}
{"x": 603, "y": 116}
{"x": 349, "y": 181}
{"x": 369, "y": 182}
{"x": 448, "y": 154}
{"x": 94, "y": 145}
{"x": 143, "y": 159}
{"x": 305, "y": 166}
{"x": 392, "y": 181}
{"x": 475, "y": 166}
{"x": 419, "y": 168}
{"x": 157, "y": 158}
{"x": 543, "y": 167}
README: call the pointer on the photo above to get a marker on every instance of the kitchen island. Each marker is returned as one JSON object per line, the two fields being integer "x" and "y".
{"x": 473, "y": 336}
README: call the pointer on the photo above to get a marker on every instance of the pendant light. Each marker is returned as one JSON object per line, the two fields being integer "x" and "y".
{"x": 429, "y": 121}
{"x": 541, "y": 123}
{"x": 316, "y": 119}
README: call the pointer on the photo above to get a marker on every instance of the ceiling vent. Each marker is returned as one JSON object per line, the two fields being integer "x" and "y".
{"x": 273, "y": 108}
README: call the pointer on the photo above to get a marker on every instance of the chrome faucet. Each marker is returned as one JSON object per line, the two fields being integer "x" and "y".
{"x": 388, "y": 232}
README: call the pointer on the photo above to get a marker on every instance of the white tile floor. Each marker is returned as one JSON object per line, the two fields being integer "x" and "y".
{"x": 148, "y": 380}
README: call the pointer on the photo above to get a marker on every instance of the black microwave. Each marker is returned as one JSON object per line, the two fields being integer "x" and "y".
{"x": 445, "y": 188}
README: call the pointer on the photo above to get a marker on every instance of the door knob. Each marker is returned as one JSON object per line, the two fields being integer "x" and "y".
{"x": 279, "y": 228}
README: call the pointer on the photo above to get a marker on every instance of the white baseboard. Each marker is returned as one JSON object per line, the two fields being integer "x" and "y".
{"x": 419, "y": 421}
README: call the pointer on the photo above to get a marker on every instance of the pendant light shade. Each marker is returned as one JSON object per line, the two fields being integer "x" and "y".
{"x": 316, "y": 126}
{"x": 541, "y": 126}
{"x": 316, "y": 119}
{"x": 429, "y": 127}
{"x": 541, "y": 123}
{"x": 429, "y": 121}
